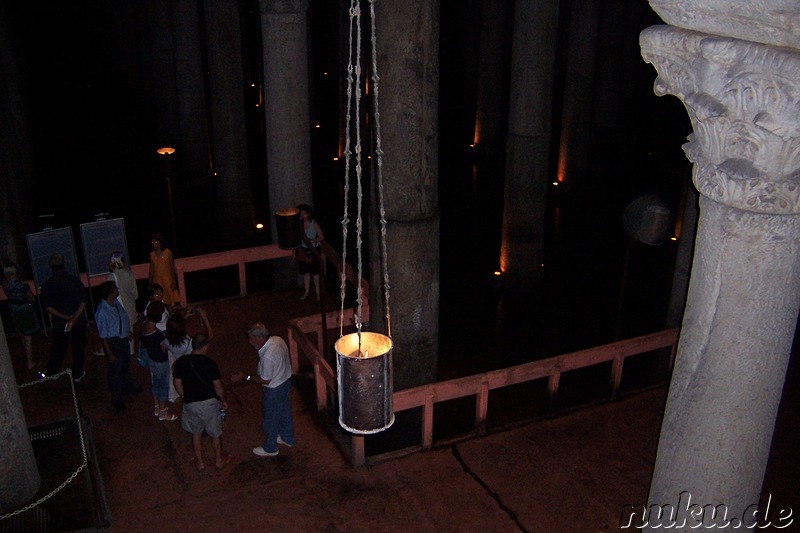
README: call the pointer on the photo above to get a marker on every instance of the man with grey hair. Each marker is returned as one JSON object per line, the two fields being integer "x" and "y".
{"x": 274, "y": 374}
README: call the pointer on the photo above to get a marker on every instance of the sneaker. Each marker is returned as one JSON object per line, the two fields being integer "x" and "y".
{"x": 166, "y": 416}
{"x": 79, "y": 378}
{"x": 259, "y": 451}
{"x": 281, "y": 441}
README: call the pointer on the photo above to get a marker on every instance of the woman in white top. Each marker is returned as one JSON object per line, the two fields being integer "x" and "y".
{"x": 178, "y": 343}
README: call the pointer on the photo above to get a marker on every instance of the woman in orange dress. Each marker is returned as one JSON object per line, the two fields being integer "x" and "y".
{"x": 162, "y": 270}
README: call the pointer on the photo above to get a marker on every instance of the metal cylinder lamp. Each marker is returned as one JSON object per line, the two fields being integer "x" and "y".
{"x": 364, "y": 375}
{"x": 289, "y": 228}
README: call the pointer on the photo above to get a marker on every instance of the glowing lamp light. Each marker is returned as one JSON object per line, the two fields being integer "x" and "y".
{"x": 555, "y": 184}
{"x": 259, "y": 226}
{"x": 317, "y": 126}
{"x": 166, "y": 150}
{"x": 364, "y": 376}
{"x": 498, "y": 273}
{"x": 335, "y": 158}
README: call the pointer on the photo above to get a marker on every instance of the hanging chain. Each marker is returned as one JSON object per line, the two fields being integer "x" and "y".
{"x": 359, "y": 171}
{"x": 379, "y": 163}
{"x": 82, "y": 438}
{"x": 353, "y": 115}
{"x": 347, "y": 153}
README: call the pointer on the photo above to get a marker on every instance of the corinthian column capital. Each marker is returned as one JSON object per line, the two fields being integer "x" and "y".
{"x": 743, "y": 101}
{"x": 283, "y": 7}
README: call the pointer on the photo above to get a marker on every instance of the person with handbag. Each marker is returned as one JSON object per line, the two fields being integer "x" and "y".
{"x": 153, "y": 340}
{"x": 307, "y": 264}
{"x": 198, "y": 382}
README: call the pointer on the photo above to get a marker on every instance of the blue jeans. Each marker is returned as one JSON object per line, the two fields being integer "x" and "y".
{"x": 119, "y": 373}
{"x": 276, "y": 416}
{"x": 159, "y": 378}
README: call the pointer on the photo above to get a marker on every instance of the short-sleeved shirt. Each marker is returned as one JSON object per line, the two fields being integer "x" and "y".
{"x": 196, "y": 389}
{"x": 64, "y": 293}
{"x": 17, "y": 292}
{"x": 155, "y": 350}
{"x": 274, "y": 363}
{"x": 111, "y": 320}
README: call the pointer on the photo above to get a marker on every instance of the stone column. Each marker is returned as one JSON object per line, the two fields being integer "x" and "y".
{"x": 285, "y": 50}
{"x": 234, "y": 192}
{"x": 17, "y": 463}
{"x": 576, "y": 116}
{"x": 19, "y": 198}
{"x": 178, "y": 72}
{"x": 408, "y": 65}
{"x": 742, "y": 98}
{"x": 528, "y": 144}
{"x": 488, "y": 136}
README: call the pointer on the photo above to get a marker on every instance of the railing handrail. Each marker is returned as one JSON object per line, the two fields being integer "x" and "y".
{"x": 238, "y": 257}
{"x": 426, "y": 396}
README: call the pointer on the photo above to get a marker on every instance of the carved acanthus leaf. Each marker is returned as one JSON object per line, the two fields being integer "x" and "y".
{"x": 743, "y": 100}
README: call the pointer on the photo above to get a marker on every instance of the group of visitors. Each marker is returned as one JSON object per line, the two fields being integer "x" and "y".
{"x": 181, "y": 371}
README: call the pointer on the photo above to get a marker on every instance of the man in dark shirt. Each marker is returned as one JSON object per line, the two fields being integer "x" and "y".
{"x": 198, "y": 382}
{"x": 64, "y": 298}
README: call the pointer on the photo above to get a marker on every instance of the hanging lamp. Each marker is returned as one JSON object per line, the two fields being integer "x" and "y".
{"x": 363, "y": 359}
{"x": 289, "y": 228}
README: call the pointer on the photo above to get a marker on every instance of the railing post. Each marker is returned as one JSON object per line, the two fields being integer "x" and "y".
{"x": 320, "y": 387}
{"x": 552, "y": 391}
{"x": 293, "y": 351}
{"x": 482, "y": 406}
{"x": 616, "y": 375}
{"x": 427, "y": 422}
{"x": 357, "y": 450}
{"x": 181, "y": 284}
{"x": 242, "y": 276}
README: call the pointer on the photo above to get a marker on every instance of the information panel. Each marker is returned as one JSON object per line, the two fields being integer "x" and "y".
{"x": 101, "y": 239}
{"x": 44, "y": 244}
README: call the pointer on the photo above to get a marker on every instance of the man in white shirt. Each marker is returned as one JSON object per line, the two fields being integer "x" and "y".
{"x": 274, "y": 375}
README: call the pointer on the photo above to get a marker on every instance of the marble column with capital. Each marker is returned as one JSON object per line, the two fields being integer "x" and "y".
{"x": 737, "y": 73}
{"x": 286, "y": 109}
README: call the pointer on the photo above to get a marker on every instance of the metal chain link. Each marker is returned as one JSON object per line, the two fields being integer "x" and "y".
{"x": 379, "y": 174}
{"x": 347, "y": 153}
{"x": 353, "y": 115}
{"x": 353, "y": 84}
{"x": 80, "y": 434}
